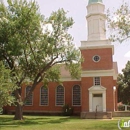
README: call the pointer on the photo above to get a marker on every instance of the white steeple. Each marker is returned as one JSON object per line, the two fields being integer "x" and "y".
{"x": 96, "y": 21}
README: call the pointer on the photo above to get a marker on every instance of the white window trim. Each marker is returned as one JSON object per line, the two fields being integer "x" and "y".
{"x": 94, "y": 81}
{"x": 92, "y": 91}
{"x": 80, "y": 95}
{"x": 25, "y": 96}
{"x": 40, "y": 97}
{"x": 98, "y": 60}
{"x": 56, "y": 96}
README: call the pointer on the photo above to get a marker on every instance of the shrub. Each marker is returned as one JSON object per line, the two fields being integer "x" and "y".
{"x": 67, "y": 110}
{"x": 121, "y": 108}
{"x": 1, "y": 110}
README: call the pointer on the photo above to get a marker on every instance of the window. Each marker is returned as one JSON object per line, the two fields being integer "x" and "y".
{"x": 97, "y": 81}
{"x": 30, "y": 98}
{"x": 60, "y": 95}
{"x": 76, "y": 95}
{"x": 97, "y": 95}
{"x": 44, "y": 96}
{"x": 96, "y": 58}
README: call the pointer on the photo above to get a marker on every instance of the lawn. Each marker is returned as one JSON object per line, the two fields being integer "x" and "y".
{"x": 57, "y": 123}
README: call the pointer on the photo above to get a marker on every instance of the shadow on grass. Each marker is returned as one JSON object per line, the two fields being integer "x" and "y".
{"x": 32, "y": 120}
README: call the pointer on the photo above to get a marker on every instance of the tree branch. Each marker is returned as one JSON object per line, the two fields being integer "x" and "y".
{"x": 28, "y": 41}
{"x": 8, "y": 61}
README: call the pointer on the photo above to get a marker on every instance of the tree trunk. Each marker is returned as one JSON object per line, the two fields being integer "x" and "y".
{"x": 18, "y": 112}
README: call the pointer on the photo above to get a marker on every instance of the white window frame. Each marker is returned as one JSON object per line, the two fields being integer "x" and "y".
{"x": 47, "y": 98}
{"x": 56, "y": 96}
{"x": 96, "y": 60}
{"x": 73, "y": 93}
{"x": 97, "y": 82}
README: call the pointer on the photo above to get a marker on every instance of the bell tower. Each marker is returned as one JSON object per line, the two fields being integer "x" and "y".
{"x": 97, "y": 50}
{"x": 96, "y": 20}
{"x": 99, "y": 72}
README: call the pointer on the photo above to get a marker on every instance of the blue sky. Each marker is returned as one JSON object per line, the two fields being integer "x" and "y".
{"x": 77, "y": 10}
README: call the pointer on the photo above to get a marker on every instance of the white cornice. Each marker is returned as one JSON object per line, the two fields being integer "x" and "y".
{"x": 96, "y": 42}
{"x": 94, "y": 73}
{"x": 97, "y": 3}
{"x": 97, "y": 47}
{"x": 93, "y": 14}
{"x": 93, "y": 88}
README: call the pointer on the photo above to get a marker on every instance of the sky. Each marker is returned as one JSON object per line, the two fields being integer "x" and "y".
{"x": 77, "y": 10}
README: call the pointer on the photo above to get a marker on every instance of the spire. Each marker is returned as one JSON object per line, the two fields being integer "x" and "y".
{"x": 96, "y": 20}
{"x": 94, "y": 1}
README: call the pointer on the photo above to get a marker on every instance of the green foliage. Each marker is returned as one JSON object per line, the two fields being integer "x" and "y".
{"x": 119, "y": 23}
{"x": 121, "y": 108}
{"x": 123, "y": 82}
{"x": 6, "y": 86}
{"x": 67, "y": 110}
{"x": 32, "y": 46}
{"x": 1, "y": 110}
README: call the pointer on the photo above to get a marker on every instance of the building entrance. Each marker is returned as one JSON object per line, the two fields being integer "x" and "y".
{"x": 97, "y": 102}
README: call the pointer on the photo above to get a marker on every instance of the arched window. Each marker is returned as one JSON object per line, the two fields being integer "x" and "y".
{"x": 60, "y": 95}
{"x": 29, "y": 101}
{"x": 76, "y": 95}
{"x": 44, "y": 96}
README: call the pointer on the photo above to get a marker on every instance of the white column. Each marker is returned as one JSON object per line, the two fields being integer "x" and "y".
{"x": 90, "y": 101}
{"x": 125, "y": 107}
{"x": 104, "y": 101}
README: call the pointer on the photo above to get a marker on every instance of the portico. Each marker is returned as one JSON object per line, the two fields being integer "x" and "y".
{"x": 97, "y": 99}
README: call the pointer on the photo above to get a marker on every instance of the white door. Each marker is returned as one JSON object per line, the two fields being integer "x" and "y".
{"x": 97, "y": 102}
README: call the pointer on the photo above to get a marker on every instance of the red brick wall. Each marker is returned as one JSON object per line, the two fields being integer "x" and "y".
{"x": 105, "y": 61}
{"x": 52, "y": 89}
{"x": 86, "y": 83}
{"x": 106, "y": 82}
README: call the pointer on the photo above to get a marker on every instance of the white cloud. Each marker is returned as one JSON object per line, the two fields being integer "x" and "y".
{"x": 127, "y": 54}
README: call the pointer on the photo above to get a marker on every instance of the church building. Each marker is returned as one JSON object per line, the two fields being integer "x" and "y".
{"x": 95, "y": 92}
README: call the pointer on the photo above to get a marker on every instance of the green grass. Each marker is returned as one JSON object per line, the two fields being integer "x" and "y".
{"x": 57, "y": 123}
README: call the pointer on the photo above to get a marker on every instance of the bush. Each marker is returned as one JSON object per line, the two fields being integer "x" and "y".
{"x": 67, "y": 110}
{"x": 121, "y": 108}
{"x": 1, "y": 110}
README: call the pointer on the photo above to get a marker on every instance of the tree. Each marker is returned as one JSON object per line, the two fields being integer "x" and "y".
{"x": 123, "y": 82}
{"x": 119, "y": 23}
{"x": 6, "y": 86}
{"x": 119, "y": 27}
{"x": 34, "y": 47}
